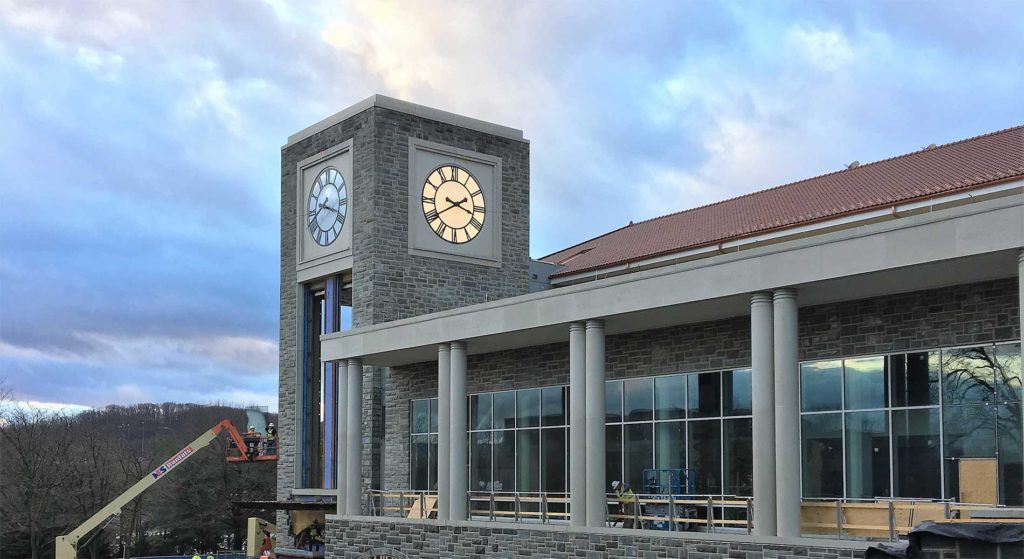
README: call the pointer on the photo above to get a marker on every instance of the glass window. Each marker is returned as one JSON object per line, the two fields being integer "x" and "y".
{"x": 638, "y": 449}
{"x": 670, "y": 397}
{"x": 702, "y": 395}
{"x": 821, "y": 386}
{"x": 1011, "y": 468}
{"x": 504, "y": 461}
{"x": 420, "y": 416}
{"x": 553, "y": 464}
{"x": 480, "y": 411}
{"x": 968, "y": 375}
{"x": 914, "y": 379}
{"x": 670, "y": 444}
{"x": 970, "y": 431}
{"x": 638, "y": 400}
{"x": 528, "y": 460}
{"x": 704, "y": 445}
{"x": 552, "y": 405}
{"x": 528, "y": 408}
{"x": 736, "y": 392}
{"x": 822, "y": 448}
{"x": 1008, "y": 373}
{"x": 420, "y": 463}
{"x": 917, "y": 456}
{"x": 433, "y": 415}
{"x": 613, "y": 402}
{"x": 738, "y": 456}
{"x": 613, "y": 453}
{"x": 867, "y": 455}
{"x": 865, "y": 383}
{"x": 503, "y": 410}
{"x": 480, "y": 462}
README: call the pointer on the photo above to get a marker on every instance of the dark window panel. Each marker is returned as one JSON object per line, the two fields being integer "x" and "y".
{"x": 970, "y": 431}
{"x": 433, "y": 415}
{"x": 638, "y": 399}
{"x": 704, "y": 445}
{"x": 670, "y": 444}
{"x": 737, "y": 392}
{"x": 738, "y": 456}
{"x": 670, "y": 397}
{"x": 552, "y": 405}
{"x": 504, "y": 465}
{"x": 638, "y": 449}
{"x": 420, "y": 416}
{"x": 613, "y": 401}
{"x": 866, "y": 384}
{"x": 968, "y": 375}
{"x": 821, "y": 386}
{"x": 528, "y": 460}
{"x": 703, "y": 395}
{"x": 528, "y": 408}
{"x": 822, "y": 453}
{"x": 1011, "y": 468}
{"x": 613, "y": 454}
{"x": 867, "y": 455}
{"x": 914, "y": 379}
{"x": 480, "y": 462}
{"x": 480, "y": 411}
{"x": 553, "y": 460}
{"x": 1008, "y": 372}
{"x": 504, "y": 410}
{"x": 917, "y": 456}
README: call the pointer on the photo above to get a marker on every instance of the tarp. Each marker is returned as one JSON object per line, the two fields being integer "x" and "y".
{"x": 976, "y": 532}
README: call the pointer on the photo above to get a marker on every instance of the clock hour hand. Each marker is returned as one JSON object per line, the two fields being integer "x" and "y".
{"x": 457, "y": 204}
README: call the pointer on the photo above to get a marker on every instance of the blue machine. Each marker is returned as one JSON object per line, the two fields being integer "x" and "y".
{"x": 678, "y": 482}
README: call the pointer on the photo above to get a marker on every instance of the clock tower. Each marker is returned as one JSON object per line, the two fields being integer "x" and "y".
{"x": 390, "y": 210}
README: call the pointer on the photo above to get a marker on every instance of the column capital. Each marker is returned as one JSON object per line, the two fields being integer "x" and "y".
{"x": 354, "y": 361}
{"x": 760, "y": 298}
{"x": 457, "y": 345}
{"x": 1020, "y": 257}
{"x": 784, "y": 293}
{"x": 445, "y": 347}
{"x": 595, "y": 324}
{"x": 577, "y": 326}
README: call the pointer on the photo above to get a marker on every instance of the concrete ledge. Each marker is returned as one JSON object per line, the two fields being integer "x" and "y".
{"x": 342, "y": 531}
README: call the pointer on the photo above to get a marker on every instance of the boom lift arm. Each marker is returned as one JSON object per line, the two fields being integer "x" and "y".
{"x": 67, "y": 545}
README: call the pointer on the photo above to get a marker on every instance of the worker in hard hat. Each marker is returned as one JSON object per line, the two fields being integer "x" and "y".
{"x": 253, "y": 441}
{"x": 271, "y": 439}
{"x": 627, "y": 502}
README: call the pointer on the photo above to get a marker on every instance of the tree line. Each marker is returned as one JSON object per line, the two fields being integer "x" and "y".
{"x": 58, "y": 469}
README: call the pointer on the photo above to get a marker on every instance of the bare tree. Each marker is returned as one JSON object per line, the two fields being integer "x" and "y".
{"x": 34, "y": 443}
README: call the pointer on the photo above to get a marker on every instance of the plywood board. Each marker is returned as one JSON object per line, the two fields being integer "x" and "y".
{"x": 978, "y": 481}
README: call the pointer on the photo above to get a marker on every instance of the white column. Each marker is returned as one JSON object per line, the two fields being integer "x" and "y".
{"x": 763, "y": 389}
{"x": 459, "y": 484}
{"x": 444, "y": 411}
{"x": 577, "y": 424}
{"x": 787, "y": 414}
{"x": 340, "y": 450}
{"x": 354, "y": 470}
{"x": 597, "y": 503}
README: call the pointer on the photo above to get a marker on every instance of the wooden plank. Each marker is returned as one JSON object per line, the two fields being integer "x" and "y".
{"x": 978, "y": 481}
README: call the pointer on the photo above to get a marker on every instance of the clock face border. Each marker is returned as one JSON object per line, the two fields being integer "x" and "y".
{"x": 313, "y": 260}
{"x": 425, "y": 157}
{"x": 318, "y": 204}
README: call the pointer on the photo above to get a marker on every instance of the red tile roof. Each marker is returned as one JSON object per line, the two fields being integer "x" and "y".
{"x": 962, "y": 165}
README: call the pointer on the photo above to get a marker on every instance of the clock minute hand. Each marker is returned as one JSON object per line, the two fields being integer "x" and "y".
{"x": 458, "y": 204}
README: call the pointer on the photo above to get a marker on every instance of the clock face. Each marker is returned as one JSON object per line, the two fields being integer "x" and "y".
{"x": 327, "y": 206}
{"x": 453, "y": 204}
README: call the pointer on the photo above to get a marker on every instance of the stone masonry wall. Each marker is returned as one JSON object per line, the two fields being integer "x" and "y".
{"x": 967, "y": 314}
{"x": 352, "y": 539}
{"x": 391, "y": 284}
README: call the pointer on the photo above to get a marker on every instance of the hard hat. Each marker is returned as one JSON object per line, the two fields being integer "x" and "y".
{"x": 252, "y": 427}
{"x": 615, "y": 485}
{"x": 270, "y": 424}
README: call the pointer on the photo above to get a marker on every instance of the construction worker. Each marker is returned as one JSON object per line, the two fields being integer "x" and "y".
{"x": 253, "y": 440}
{"x": 271, "y": 439}
{"x": 627, "y": 502}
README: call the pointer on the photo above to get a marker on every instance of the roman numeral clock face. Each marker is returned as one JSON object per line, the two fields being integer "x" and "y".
{"x": 453, "y": 204}
{"x": 327, "y": 206}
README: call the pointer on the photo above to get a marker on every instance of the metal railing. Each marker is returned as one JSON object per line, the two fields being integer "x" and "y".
{"x": 864, "y": 519}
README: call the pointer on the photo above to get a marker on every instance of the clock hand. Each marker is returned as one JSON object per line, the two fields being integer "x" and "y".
{"x": 457, "y": 204}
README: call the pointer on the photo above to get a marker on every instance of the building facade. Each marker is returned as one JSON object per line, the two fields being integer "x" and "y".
{"x": 852, "y": 339}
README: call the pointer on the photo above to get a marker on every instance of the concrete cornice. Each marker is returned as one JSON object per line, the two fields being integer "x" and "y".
{"x": 406, "y": 107}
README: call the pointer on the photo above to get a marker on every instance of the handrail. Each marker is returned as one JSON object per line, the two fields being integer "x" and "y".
{"x": 877, "y": 519}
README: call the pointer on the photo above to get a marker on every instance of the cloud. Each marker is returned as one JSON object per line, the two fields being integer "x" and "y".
{"x": 139, "y": 155}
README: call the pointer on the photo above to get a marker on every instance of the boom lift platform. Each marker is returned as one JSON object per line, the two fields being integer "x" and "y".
{"x": 240, "y": 449}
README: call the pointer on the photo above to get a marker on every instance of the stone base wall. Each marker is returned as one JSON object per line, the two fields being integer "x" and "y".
{"x": 371, "y": 537}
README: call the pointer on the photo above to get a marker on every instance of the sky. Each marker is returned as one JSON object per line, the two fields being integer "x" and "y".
{"x": 140, "y": 143}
